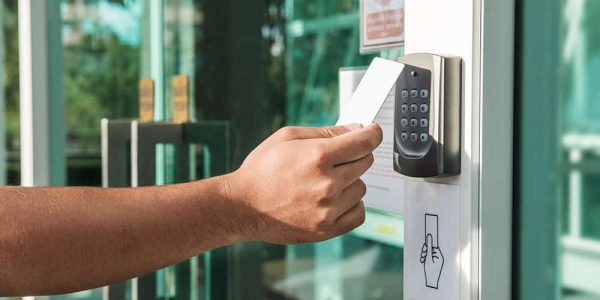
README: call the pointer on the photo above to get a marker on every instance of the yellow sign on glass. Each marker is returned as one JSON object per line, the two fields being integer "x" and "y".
{"x": 181, "y": 99}
{"x": 146, "y": 100}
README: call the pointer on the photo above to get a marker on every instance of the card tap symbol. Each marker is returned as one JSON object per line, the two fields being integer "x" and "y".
{"x": 431, "y": 254}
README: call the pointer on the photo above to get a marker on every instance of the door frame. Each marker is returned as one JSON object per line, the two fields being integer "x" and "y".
{"x": 481, "y": 32}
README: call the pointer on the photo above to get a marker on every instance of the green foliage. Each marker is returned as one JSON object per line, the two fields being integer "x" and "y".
{"x": 100, "y": 80}
{"x": 314, "y": 58}
{"x": 11, "y": 73}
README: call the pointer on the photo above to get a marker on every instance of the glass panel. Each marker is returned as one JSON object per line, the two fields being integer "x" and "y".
{"x": 347, "y": 267}
{"x": 10, "y": 92}
{"x": 101, "y": 67}
{"x": 581, "y": 131}
{"x": 591, "y": 222}
{"x": 248, "y": 65}
{"x": 101, "y": 50}
{"x": 560, "y": 159}
{"x": 322, "y": 36}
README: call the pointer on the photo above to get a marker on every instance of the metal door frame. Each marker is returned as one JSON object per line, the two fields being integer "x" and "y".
{"x": 482, "y": 33}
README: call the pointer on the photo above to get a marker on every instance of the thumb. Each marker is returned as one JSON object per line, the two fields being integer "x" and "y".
{"x": 429, "y": 247}
{"x": 301, "y": 133}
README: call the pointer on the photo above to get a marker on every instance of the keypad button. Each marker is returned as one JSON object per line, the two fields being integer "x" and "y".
{"x": 424, "y": 123}
{"x": 404, "y": 122}
{"x": 414, "y": 108}
{"x": 414, "y": 122}
{"x": 424, "y": 93}
{"x": 404, "y": 94}
{"x": 424, "y": 137}
{"x": 414, "y": 94}
{"x": 404, "y": 108}
{"x": 424, "y": 108}
{"x": 413, "y": 137}
{"x": 404, "y": 136}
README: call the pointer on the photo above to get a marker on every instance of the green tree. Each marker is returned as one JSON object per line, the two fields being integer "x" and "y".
{"x": 11, "y": 73}
{"x": 100, "y": 77}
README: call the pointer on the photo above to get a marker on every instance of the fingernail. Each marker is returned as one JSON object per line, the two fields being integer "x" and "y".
{"x": 354, "y": 126}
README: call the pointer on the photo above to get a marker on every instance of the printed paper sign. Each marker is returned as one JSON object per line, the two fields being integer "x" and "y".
{"x": 382, "y": 24}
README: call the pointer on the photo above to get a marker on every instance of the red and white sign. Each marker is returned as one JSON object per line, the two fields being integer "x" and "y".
{"x": 382, "y": 24}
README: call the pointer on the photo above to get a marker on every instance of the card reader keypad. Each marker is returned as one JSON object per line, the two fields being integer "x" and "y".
{"x": 427, "y": 116}
{"x": 414, "y": 86}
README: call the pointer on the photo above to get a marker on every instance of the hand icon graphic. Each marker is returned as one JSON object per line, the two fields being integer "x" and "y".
{"x": 433, "y": 262}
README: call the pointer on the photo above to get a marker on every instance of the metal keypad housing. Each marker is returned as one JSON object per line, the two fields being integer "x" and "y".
{"x": 427, "y": 116}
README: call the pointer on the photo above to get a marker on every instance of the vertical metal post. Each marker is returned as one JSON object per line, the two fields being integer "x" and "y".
{"x": 157, "y": 72}
{"x": 537, "y": 144}
{"x": 187, "y": 50}
{"x": 157, "y": 55}
{"x": 116, "y": 141}
{"x": 480, "y": 199}
{"x": 153, "y": 58}
{"x": 42, "y": 103}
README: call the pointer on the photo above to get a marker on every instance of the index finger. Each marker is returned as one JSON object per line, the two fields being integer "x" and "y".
{"x": 304, "y": 133}
{"x": 354, "y": 145}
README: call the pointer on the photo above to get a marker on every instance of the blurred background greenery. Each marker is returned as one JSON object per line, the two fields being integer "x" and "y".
{"x": 264, "y": 64}
{"x": 101, "y": 70}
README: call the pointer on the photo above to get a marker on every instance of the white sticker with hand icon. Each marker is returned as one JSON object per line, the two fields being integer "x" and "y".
{"x": 432, "y": 241}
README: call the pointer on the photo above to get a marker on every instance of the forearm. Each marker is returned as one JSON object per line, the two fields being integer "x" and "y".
{"x": 54, "y": 240}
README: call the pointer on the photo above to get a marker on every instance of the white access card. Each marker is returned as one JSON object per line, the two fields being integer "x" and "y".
{"x": 371, "y": 92}
{"x": 385, "y": 187}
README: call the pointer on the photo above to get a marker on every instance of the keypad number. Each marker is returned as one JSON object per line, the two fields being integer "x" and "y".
{"x": 414, "y": 94}
{"x": 404, "y": 94}
{"x": 415, "y": 119}
{"x": 404, "y": 122}
{"x": 414, "y": 114}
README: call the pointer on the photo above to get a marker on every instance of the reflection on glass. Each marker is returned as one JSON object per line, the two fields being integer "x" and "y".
{"x": 322, "y": 36}
{"x": 101, "y": 49}
{"x": 257, "y": 64}
{"x": 101, "y": 67}
{"x": 10, "y": 66}
{"x": 581, "y": 150}
{"x": 343, "y": 268}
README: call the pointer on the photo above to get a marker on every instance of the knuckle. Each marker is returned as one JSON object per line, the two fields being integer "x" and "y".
{"x": 327, "y": 189}
{"x": 322, "y": 222}
{"x": 334, "y": 131}
{"x": 319, "y": 157}
{"x": 319, "y": 236}
{"x": 286, "y": 132}
{"x": 329, "y": 131}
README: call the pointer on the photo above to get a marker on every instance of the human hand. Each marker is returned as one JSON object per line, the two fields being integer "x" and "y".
{"x": 433, "y": 262}
{"x": 303, "y": 184}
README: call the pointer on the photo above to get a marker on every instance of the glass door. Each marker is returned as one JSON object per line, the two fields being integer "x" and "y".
{"x": 258, "y": 66}
{"x": 261, "y": 65}
{"x": 557, "y": 201}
